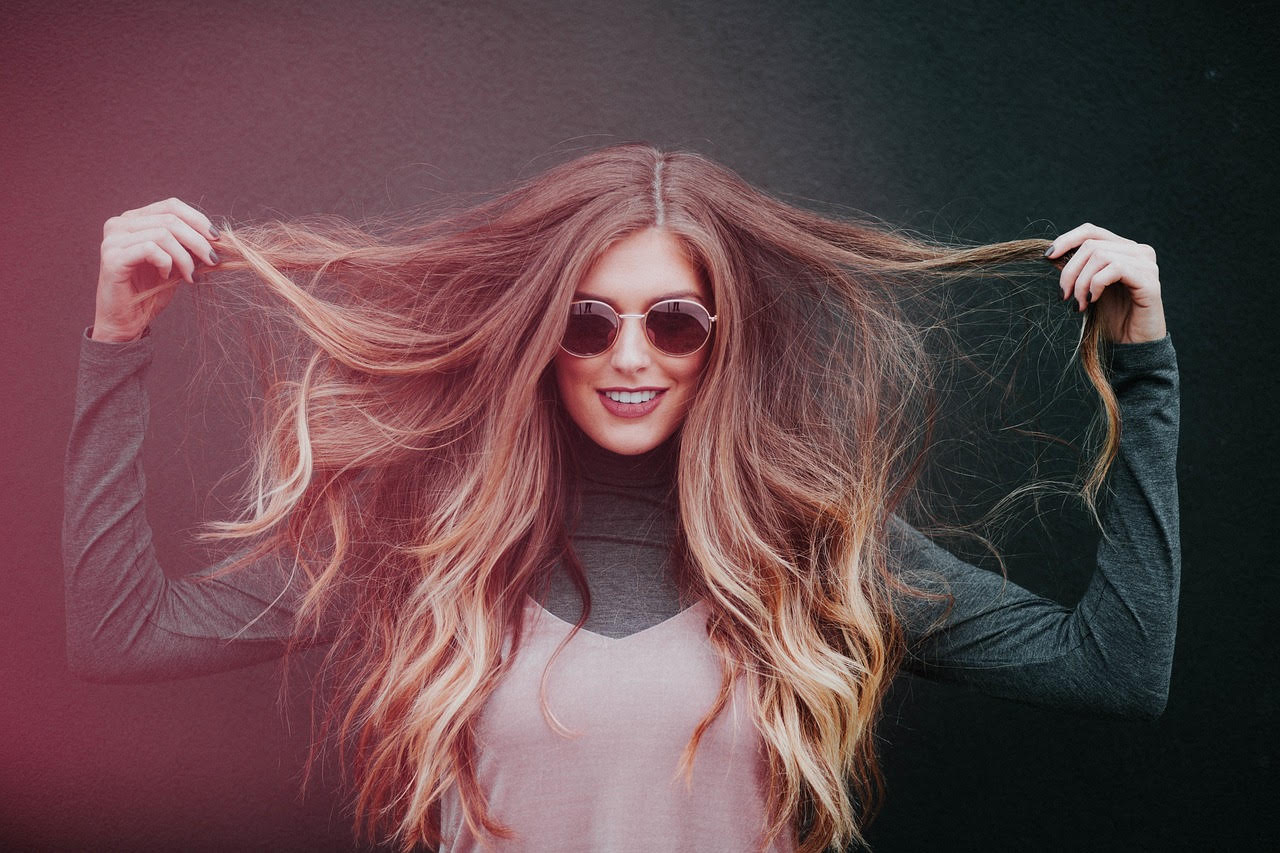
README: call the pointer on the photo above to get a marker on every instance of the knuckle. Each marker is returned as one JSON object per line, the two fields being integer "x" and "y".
{"x": 112, "y": 225}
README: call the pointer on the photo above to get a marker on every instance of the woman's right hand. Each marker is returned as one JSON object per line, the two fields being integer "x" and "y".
{"x": 142, "y": 249}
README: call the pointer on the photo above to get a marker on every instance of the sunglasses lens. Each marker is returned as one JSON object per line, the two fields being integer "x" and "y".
{"x": 678, "y": 327}
{"x": 591, "y": 328}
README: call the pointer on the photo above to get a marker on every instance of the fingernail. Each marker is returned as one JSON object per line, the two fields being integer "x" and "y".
{"x": 213, "y": 257}
{"x": 1048, "y": 251}
{"x": 214, "y": 232}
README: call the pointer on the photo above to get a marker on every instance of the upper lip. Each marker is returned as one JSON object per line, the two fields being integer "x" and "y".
{"x": 631, "y": 389}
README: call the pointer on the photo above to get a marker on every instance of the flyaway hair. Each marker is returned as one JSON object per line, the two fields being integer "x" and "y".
{"x": 411, "y": 455}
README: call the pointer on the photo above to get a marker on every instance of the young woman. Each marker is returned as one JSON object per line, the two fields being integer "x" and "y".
{"x": 591, "y": 489}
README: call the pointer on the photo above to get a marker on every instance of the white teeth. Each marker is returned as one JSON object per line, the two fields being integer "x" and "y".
{"x": 631, "y": 396}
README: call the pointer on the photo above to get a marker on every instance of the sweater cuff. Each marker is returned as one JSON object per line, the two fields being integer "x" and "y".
{"x": 1131, "y": 360}
{"x": 126, "y": 355}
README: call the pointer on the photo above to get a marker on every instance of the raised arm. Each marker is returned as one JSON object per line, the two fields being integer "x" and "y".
{"x": 126, "y": 619}
{"x": 1112, "y": 654}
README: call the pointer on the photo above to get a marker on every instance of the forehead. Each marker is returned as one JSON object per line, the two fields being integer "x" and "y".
{"x": 641, "y": 269}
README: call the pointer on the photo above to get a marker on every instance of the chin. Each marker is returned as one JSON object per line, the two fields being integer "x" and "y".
{"x": 629, "y": 442}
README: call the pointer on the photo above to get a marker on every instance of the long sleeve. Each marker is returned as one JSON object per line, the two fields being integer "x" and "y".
{"x": 127, "y": 621}
{"x": 1113, "y": 653}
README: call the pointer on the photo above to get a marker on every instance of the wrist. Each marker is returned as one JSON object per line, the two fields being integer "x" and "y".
{"x": 1146, "y": 334}
{"x": 107, "y": 335}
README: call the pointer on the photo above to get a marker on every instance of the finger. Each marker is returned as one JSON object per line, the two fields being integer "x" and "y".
{"x": 1071, "y": 269}
{"x": 1092, "y": 255}
{"x": 1121, "y": 246}
{"x": 183, "y": 211}
{"x": 1078, "y": 235}
{"x": 163, "y": 238}
{"x": 145, "y": 252}
{"x": 1097, "y": 261}
{"x": 192, "y": 239}
{"x": 1061, "y": 261}
{"x": 1103, "y": 278}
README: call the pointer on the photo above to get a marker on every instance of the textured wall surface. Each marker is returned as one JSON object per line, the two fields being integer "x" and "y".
{"x": 984, "y": 120}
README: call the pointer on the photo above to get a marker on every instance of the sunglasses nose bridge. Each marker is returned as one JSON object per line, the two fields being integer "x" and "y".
{"x": 630, "y": 347}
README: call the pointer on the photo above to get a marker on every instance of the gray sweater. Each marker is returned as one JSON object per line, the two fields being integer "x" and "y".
{"x": 128, "y": 620}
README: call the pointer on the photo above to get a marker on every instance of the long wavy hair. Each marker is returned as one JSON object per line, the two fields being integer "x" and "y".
{"x": 411, "y": 456}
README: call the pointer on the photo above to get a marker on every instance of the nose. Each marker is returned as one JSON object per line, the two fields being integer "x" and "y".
{"x": 631, "y": 351}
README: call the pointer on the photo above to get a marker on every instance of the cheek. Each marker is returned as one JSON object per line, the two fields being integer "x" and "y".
{"x": 571, "y": 378}
{"x": 691, "y": 372}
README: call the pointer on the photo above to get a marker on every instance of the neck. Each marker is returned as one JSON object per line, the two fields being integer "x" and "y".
{"x": 651, "y": 468}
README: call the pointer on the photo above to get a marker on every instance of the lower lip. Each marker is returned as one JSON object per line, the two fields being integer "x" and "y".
{"x": 630, "y": 410}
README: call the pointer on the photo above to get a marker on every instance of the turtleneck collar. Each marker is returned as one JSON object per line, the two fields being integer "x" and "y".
{"x": 656, "y": 467}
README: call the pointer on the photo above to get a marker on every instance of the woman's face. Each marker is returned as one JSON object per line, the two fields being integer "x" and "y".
{"x": 644, "y": 268}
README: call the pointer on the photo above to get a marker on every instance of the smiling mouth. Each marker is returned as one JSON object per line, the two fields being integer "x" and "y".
{"x": 631, "y": 404}
{"x": 631, "y": 396}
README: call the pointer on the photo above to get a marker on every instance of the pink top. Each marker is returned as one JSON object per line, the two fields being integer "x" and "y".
{"x": 635, "y": 701}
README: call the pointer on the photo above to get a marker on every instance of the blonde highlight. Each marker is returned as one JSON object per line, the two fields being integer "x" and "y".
{"x": 410, "y": 457}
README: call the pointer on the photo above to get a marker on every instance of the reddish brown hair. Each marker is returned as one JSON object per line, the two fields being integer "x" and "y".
{"x": 411, "y": 453}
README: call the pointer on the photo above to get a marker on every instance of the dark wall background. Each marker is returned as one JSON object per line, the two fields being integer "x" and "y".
{"x": 987, "y": 120}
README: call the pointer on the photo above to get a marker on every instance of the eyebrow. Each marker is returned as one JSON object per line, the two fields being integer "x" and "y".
{"x": 678, "y": 294}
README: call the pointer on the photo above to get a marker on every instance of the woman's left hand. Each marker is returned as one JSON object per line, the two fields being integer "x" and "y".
{"x": 1129, "y": 314}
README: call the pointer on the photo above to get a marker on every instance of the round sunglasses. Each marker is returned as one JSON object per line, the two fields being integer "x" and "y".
{"x": 675, "y": 327}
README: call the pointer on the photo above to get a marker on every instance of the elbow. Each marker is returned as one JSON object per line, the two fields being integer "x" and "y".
{"x": 1134, "y": 687}
{"x": 1149, "y": 694}
{"x": 99, "y": 664}
{"x": 1138, "y": 696}
{"x": 1139, "y": 701}
{"x": 1149, "y": 705}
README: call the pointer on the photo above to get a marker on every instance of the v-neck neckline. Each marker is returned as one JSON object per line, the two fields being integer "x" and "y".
{"x": 699, "y": 605}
